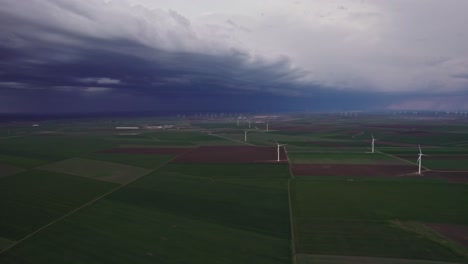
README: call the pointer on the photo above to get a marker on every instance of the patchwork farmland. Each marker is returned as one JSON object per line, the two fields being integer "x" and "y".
{"x": 200, "y": 193}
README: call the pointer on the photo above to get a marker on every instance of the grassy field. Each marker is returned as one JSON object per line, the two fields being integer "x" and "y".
{"x": 98, "y": 170}
{"x": 338, "y": 217}
{"x": 32, "y": 199}
{"x": 137, "y": 160}
{"x": 228, "y": 213}
{"x": 176, "y": 215}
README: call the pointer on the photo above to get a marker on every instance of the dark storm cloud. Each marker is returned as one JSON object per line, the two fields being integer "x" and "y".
{"x": 99, "y": 55}
{"x": 53, "y": 65}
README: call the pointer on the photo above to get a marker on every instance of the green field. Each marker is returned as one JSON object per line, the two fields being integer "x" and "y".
{"x": 98, "y": 170}
{"x": 337, "y": 217}
{"x": 31, "y": 199}
{"x": 166, "y": 218}
{"x": 149, "y": 210}
{"x": 137, "y": 160}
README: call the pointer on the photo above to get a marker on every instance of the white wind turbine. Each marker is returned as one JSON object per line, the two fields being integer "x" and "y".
{"x": 278, "y": 149}
{"x": 245, "y": 135}
{"x": 373, "y": 143}
{"x": 249, "y": 123}
{"x": 420, "y": 159}
{"x": 268, "y": 122}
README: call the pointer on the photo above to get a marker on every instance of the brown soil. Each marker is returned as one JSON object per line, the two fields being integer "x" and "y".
{"x": 7, "y": 170}
{"x": 457, "y": 233}
{"x": 352, "y": 170}
{"x": 329, "y": 144}
{"x": 148, "y": 151}
{"x": 371, "y": 170}
{"x": 231, "y": 154}
{"x": 303, "y": 128}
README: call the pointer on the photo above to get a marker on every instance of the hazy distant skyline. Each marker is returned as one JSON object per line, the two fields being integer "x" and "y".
{"x": 251, "y": 55}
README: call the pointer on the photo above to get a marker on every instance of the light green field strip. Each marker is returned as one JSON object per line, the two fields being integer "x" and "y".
{"x": 22, "y": 162}
{"x": 4, "y": 243}
{"x": 327, "y": 259}
{"x": 98, "y": 170}
{"x": 8, "y": 170}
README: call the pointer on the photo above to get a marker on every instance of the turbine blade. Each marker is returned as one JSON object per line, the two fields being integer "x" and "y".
{"x": 420, "y": 151}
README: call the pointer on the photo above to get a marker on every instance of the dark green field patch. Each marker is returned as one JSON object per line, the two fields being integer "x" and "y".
{"x": 366, "y": 238}
{"x": 31, "y": 199}
{"x": 22, "y": 162}
{"x": 4, "y": 243}
{"x": 53, "y": 147}
{"x": 228, "y": 171}
{"x": 167, "y": 218}
{"x": 98, "y": 170}
{"x": 433, "y": 201}
{"x": 137, "y": 160}
{"x": 338, "y": 217}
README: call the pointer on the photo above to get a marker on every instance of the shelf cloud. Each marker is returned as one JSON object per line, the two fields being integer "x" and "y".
{"x": 156, "y": 55}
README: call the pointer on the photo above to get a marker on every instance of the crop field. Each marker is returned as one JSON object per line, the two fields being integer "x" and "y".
{"x": 81, "y": 191}
{"x": 342, "y": 158}
{"x": 234, "y": 154}
{"x": 176, "y": 215}
{"x": 33, "y": 198}
{"x": 99, "y": 170}
{"x": 339, "y": 217}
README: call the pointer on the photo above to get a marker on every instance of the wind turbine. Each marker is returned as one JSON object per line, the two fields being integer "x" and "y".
{"x": 278, "y": 149}
{"x": 237, "y": 121}
{"x": 245, "y": 135}
{"x": 249, "y": 123}
{"x": 420, "y": 159}
{"x": 373, "y": 140}
{"x": 268, "y": 122}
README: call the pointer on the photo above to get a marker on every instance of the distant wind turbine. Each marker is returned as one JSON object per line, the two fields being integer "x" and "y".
{"x": 420, "y": 159}
{"x": 249, "y": 123}
{"x": 245, "y": 135}
{"x": 373, "y": 141}
{"x": 268, "y": 122}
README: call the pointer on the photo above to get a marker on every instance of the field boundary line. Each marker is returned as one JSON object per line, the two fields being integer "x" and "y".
{"x": 82, "y": 206}
{"x": 357, "y": 135}
{"x": 413, "y": 163}
{"x": 233, "y": 140}
{"x": 291, "y": 218}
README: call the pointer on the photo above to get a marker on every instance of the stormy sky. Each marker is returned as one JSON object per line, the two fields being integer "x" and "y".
{"x": 60, "y": 56}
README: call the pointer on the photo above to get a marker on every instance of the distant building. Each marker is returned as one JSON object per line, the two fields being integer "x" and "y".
{"x": 35, "y": 125}
{"x": 126, "y": 128}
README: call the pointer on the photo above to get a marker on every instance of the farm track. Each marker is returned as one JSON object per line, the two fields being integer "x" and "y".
{"x": 81, "y": 207}
{"x": 291, "y": 218}
{"x": 243, "y": 142}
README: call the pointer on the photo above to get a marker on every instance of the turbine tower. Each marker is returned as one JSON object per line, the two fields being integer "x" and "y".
{"x": 268, "y": 122}
{"x": 420, "y": 159}
{"x": 245, "y": 135}
{"x": 373, "y": 141}
{"x": 278, "y": 149}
